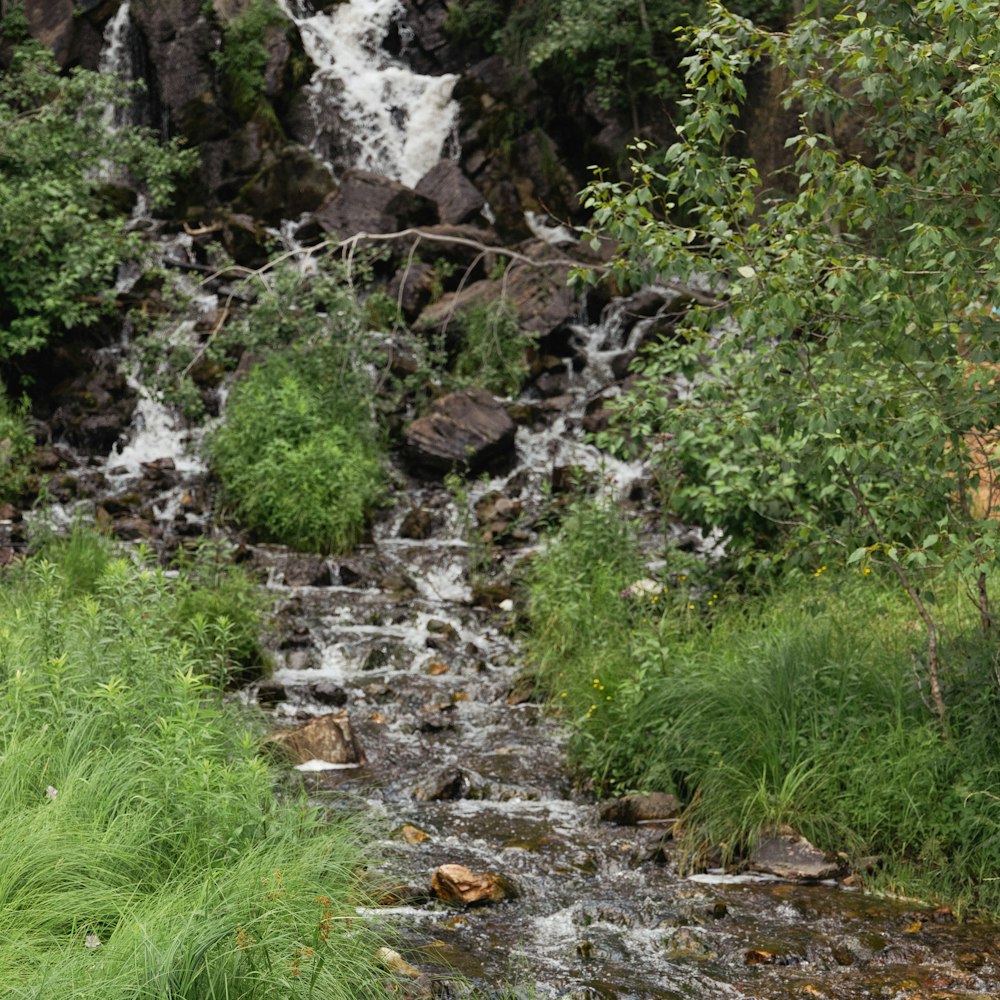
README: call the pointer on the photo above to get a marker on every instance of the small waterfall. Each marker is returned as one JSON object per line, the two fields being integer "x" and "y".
{"x": 398, "y": 122}
{"x": 116, "y": 60}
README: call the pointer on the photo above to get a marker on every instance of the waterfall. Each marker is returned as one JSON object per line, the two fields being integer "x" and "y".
{"x": 398, "y": 122}
{"x": 116, "y": 60}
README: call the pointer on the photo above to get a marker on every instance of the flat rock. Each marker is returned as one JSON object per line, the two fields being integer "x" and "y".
{"x": 789, "y": 855}
{"x": 329, "y": 738}
{"x": 630, "y": 810}
{"x": 458, "y": 884}
{"x": 469, "y": 429}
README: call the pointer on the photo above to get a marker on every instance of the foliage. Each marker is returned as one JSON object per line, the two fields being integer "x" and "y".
{"x": 845, "y": 406}
{"x": 243, "y": 57}
{"x": 159, "y": 862}
{"x": 16, "y": 445}
{"x": 299, "y": 455}
{"x": 60, "y": 238}
{"x": 492, "y": 349}
{"x": 626, "y": 48}
{"x": 797, "y": 706}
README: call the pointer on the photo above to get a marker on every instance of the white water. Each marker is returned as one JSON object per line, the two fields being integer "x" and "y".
{"x": 399, "y": 121}
{"x": 116, "y": 60}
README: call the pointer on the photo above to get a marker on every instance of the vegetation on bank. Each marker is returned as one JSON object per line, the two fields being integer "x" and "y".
{"x": 795, "y": 705}
{"x": 16, "y": 445}
{"x": 143, "y": 848}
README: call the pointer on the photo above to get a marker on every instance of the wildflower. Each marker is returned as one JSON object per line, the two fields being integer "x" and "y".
{"x": 690, "y": 607}
{"x": 562, "y": 694}
{"x": 866, "y": 571}
{"x": 92, "y": 941}
{"x": 50, "y": 792}
{"x": 820, "y": 571}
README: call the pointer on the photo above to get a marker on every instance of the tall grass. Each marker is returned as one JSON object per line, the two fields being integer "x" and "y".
{"x": 143, "y": 852}
{"x": 798, "y": 707}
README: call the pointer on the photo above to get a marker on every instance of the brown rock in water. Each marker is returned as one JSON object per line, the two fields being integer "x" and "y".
{"x": 458, "y": 884}
{"x": 467, "y": 429}
{"x": 789, "y": 855}
{"x": 630, "y": 810}
{"x": 327, "y": 737}
{"x": 418, "y": 524}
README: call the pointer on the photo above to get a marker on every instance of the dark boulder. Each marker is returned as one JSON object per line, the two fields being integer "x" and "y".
{"x": 369, "y": 203}
{"x": 467, "y": 429}
{"x": 457, "y": 199}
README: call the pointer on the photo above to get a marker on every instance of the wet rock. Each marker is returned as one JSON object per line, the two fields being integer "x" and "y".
{"x": 630, "y": 810}
{"x": 270, "y": 692}
{"x": 446, "y": 785}
{"x": 133, "y": 529}
{"x": 383, "y": 655}
{"x": 327, "y": 737}
{"x": 458, "y": 884}
{"x": 307, "y": 571}
{"x": 417, "y": 524}
{"x": 370, "y": 203}
{"x": 490, "y": 594}
{"x": 495, "y": 508}
{"x": 457, "y": 199}
{"x": 412, "y": 834}
{"x": 328, "y": 693}
{"x": 467, "y": 429}
{"x": 523, "y": 691}
{"x": 180, "y": 42}
{"x": 789, "y": 855}
{"x": 290, "y": 181}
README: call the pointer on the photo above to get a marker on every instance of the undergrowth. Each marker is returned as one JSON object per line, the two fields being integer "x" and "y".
{"x": 798, "y": 706}
{"x": 16, "y": 446}
{"x": 143, "y": 851}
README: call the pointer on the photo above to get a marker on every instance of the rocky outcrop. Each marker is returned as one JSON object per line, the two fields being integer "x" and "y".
{"x": 467, "y": 429}
{"x": 179, "y": 41}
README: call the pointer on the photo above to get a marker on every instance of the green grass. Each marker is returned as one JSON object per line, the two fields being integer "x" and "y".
{"x": 300, "y": 455}
{"x": 797, "y": 706}
{"x": 161, "y": 836}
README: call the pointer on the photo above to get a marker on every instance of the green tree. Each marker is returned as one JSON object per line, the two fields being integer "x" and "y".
{"x": 61, "y": 239}
{"x": 837, "y": 388}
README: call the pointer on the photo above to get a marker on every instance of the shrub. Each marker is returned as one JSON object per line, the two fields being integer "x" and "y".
{"x": 299, "y": 456}
{"x": 60, "y": 238}
{"x": 492, "y": 349}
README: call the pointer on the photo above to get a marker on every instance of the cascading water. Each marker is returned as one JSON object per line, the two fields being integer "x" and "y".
{"x": 116, "y": 60}
{"x": 398, "y": 122}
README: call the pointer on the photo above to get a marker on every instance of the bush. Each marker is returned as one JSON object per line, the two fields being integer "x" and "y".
{"x": 60, "y": 238}
{"x": 159, "y": 862}
{"x": 299, "y": 456}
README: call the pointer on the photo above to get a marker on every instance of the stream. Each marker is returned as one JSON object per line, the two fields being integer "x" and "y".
{"x": 461, "y": 766}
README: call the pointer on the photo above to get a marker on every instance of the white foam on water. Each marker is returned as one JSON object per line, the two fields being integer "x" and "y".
{"x": 399, "y": 121}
